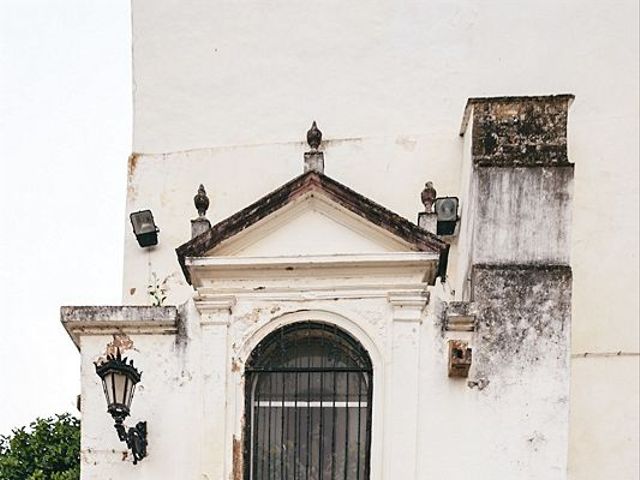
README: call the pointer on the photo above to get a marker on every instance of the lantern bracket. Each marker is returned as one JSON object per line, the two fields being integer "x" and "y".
{"x": 134, "y": 437}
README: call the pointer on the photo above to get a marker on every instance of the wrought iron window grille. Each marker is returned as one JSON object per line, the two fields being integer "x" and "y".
{"x": 308, "y": 392}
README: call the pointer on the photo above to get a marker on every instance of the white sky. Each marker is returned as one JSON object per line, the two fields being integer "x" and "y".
{"x": 65, "y": 135}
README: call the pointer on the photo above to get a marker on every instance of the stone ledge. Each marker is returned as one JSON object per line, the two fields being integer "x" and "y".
{"x": 106, "y": 320}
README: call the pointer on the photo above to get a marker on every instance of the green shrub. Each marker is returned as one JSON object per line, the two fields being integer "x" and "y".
{"x": 48, "y": 449}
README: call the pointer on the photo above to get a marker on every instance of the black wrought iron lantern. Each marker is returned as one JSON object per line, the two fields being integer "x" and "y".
{"x": 144, "y": 228}
{"x": 119, "y": 380}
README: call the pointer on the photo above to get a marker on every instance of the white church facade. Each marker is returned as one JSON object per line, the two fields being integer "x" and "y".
{"x": 388, "y": 305}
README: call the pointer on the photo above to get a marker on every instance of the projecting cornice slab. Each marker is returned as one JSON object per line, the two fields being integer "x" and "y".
{"x": 527, "y": 131}
{"x": 107, "y": 320}
{"x": 313, "y": 273}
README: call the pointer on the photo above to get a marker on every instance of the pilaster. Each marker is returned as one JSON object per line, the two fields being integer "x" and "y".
{"x": 215, "y": 315}
{"x": 402, "y": 401}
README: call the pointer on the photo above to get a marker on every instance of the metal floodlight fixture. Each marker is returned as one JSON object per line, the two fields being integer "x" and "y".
{"x": 144, "y": 227}
{"x": 119, "y": 380}
{"x": 447, "y": 215}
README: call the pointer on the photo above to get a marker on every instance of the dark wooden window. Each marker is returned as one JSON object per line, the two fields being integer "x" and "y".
{"x": 308, "y": 406}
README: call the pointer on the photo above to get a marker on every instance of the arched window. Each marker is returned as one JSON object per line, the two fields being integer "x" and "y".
{"x": 308, "y": 410}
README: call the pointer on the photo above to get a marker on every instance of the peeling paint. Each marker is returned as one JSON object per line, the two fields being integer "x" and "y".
{"x": 120, "y": 342}
{"x": 235, "y": 365}
{"x": 253, "y": 316}
{"x": 237, "y": 472}
{"x": 131, "y": 170}
{"x": 132, "y": 164}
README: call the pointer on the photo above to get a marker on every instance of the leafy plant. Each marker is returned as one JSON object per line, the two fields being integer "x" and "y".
{"x": 157, "y": 290}
{"x": 48, "y": 449}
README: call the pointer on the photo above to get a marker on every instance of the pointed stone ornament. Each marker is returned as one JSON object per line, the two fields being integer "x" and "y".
{"x": 314, "y": 137}
{"x": 201, "y": 224}
{"x": 201, "y": 201}
{"x": 428, "y": 197}
{"x": 314, "y": 159}
{"x": 428, "y": 219}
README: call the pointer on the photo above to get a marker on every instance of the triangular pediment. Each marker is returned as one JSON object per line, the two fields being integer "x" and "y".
{"x": 311, "y": 215}
{"x": 312, "y": 225}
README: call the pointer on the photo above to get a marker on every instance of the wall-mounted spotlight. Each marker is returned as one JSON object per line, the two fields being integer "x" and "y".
{"x": 144, "y": 227}
{"x": 119, "y": 380}
{"x": 447, "y": 215}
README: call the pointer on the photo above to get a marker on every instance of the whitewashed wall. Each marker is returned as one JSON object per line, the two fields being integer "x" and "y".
{"x": 224, "y": 91}
{"x": 193, "y": 401}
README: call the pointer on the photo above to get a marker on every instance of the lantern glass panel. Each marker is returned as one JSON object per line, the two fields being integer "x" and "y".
{"x": 119, "y": 381}
{"x": 132, "y": 389}
{"x": 125, "y": 393}
{"x": 106, "y": 386}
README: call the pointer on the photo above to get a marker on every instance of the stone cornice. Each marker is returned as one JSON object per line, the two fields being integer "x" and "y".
{"x": 262, "y": 273}
{"x": 310, "y": 261}
{"x": 107, "y": 320}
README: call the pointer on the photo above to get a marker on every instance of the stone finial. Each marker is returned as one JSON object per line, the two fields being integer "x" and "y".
{"x": 314, "y": 137}
{"x": 314, "y": 159}
{"x": 201, "y": 201}
{"x": 201, "y": 224}
{"x": 428, "y": 197}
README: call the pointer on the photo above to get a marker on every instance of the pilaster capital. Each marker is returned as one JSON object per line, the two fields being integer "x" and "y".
{"x": 215, "y": 310}
{"x": 408, "y": 305}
